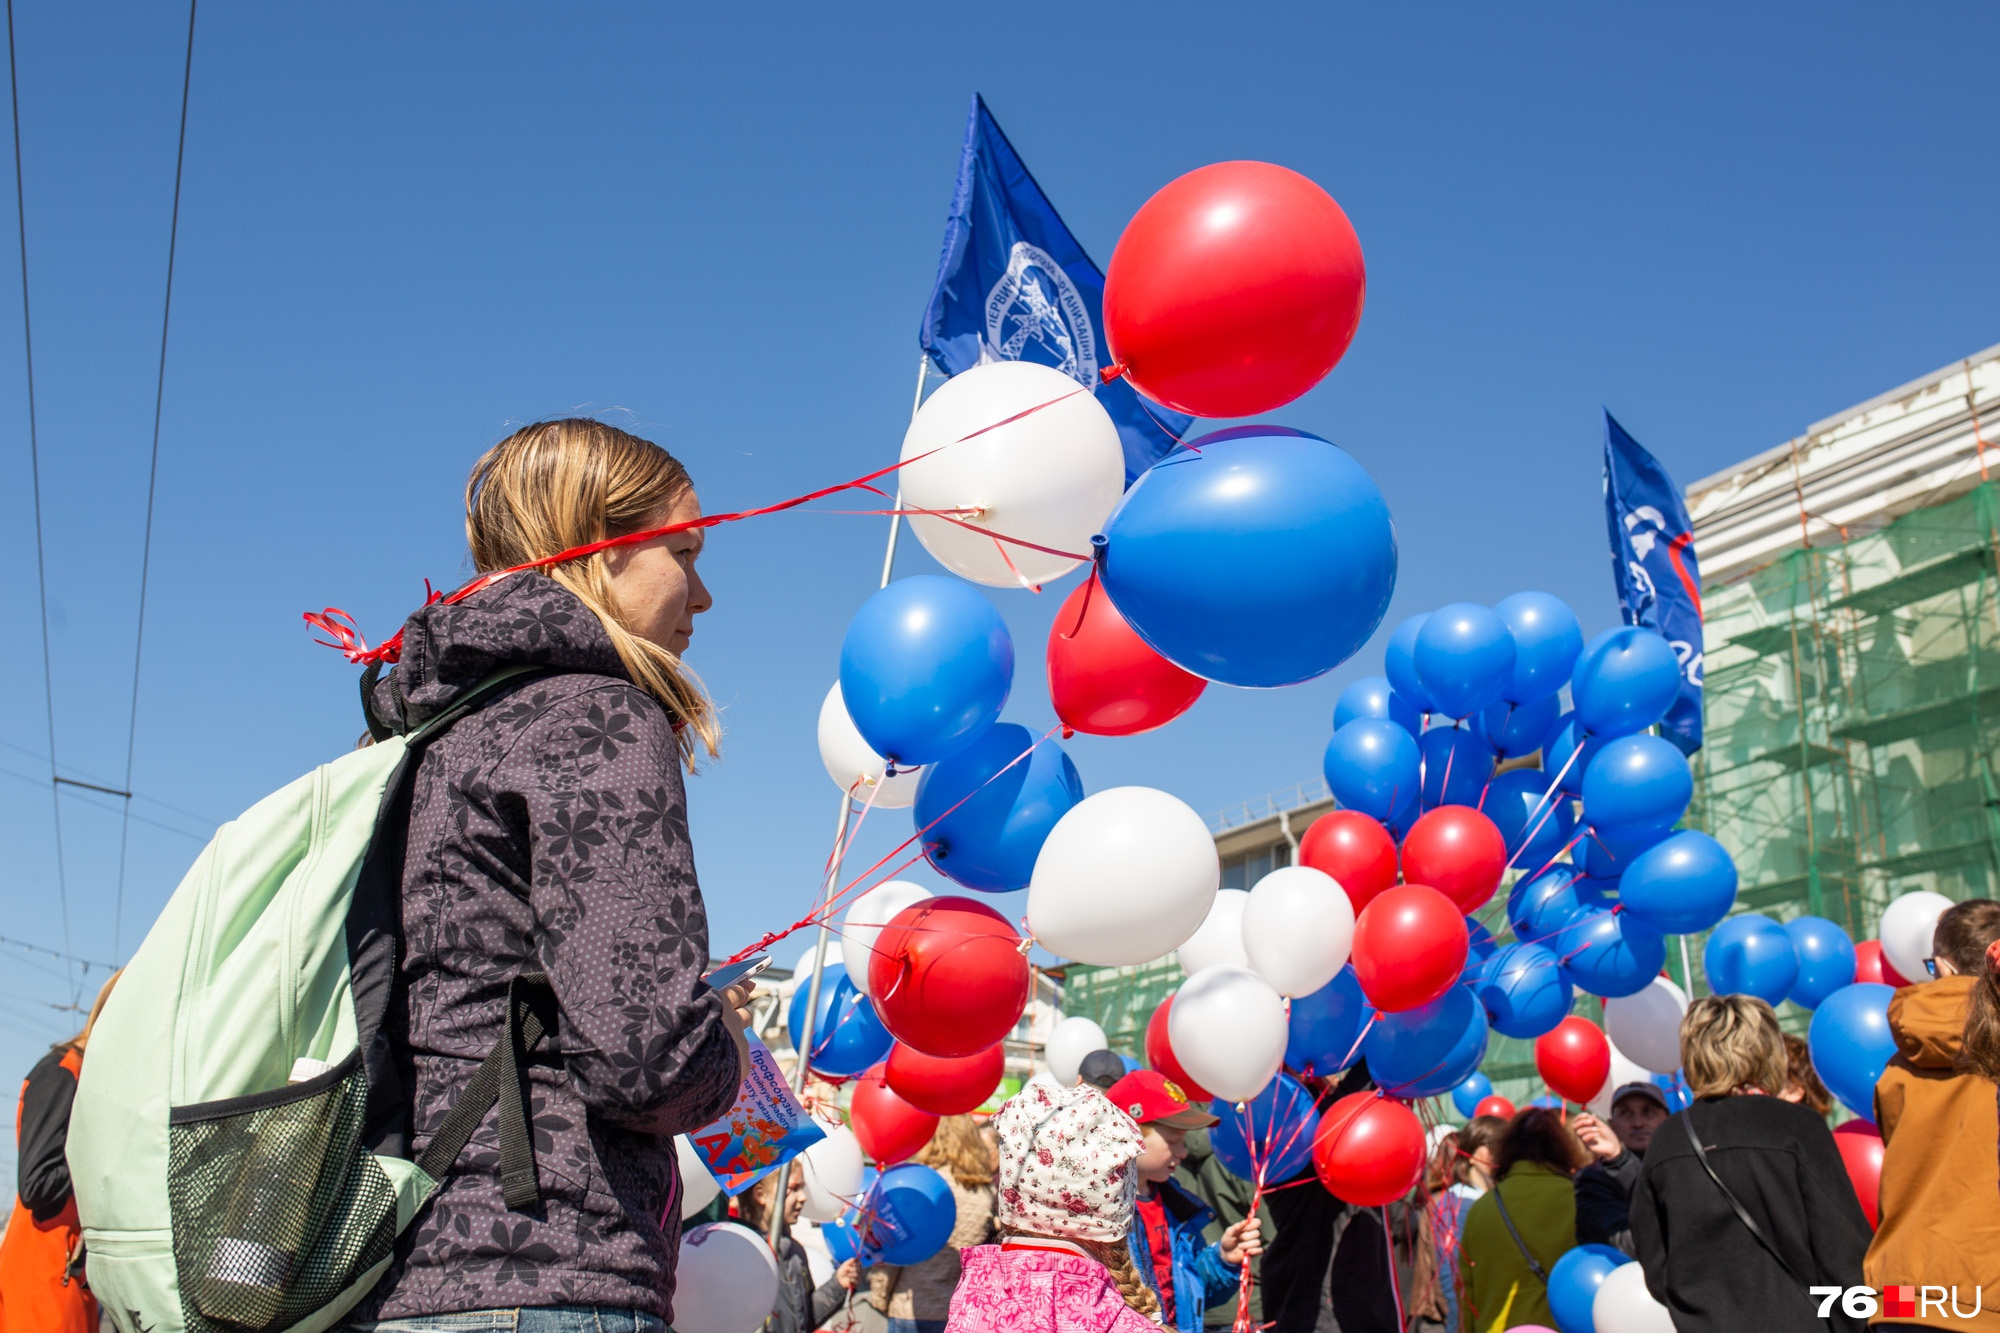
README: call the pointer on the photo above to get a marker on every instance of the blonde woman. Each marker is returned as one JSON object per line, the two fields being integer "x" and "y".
{"x": 917, "y": 1299}
{"x": 1733, "y": 1231}
{"x": 548, "y": 833}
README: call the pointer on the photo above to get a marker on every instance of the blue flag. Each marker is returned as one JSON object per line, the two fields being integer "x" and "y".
{"x": 1014, "y": 285}
{"x": 1652, "y": 554}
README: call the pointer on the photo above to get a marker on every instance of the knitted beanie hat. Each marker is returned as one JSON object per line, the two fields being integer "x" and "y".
{"x": 1066, "y": 1164}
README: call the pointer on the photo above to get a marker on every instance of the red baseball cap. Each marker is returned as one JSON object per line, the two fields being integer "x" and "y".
{"x": 1151, "y": 1098}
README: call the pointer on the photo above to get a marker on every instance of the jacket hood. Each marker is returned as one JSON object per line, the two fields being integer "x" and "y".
{"x": 525, "y": 618}
{"x": 1929, "y": 1021}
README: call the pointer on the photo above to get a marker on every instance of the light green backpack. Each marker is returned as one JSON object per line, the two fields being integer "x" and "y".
{"x": 239, "y": 1140}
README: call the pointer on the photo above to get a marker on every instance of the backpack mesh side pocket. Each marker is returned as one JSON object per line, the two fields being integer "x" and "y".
{"x": 277, "y": 1206}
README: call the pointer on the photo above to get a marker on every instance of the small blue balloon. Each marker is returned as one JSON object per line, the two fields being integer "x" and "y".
{"x": 1636, "y": 784}
{"x": 1610, "y": 954}
{"x": 1515, "y": 729}
{"x": 1625, "y": 681}
{"x": 1456, "y": 765}
{"x": 1559, "y": 756}
{"x": 1253, "y": 556}
{"x": 1131, "y": 1066}
{"x": 1524, "y": 991}
{"x": 1465, "y": 657}
{"x": 1751, "y": 955}
{"x": 1606, "y": 853}
{"x": 1280, "y": 1120}
{"x": 1325, "y": 1025}
{"x": 1684, "y": 883}
{"x": 914, "y": 1212}
{"x": 848, "y": 1038}
{"x": 1465, "y": 1098}
{"x": 1535, "y": 825}
{"x": 1851, "y": 1043}
{"x": 1429, "y": 1050}
{"x": 925, "y": 668}
{"x": 1547, "y": 642}
{"x": 984, "y": 822}
{"x": 1574, "y": 1281}
{"x": 1675, "y": 1089}
{"x": 1399, "y": 663}
{"x": 1549, "y": 1101}
{"x": 1826, "y": 960}
{"x": 1539, "y": 908}
{"x": 1372, "y": 696}
{"x": 1371, "y": 765}
{"x": 1479, "y": 951}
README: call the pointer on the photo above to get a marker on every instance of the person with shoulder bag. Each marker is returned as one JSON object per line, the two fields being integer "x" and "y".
{"x": 1514, "y": 1233}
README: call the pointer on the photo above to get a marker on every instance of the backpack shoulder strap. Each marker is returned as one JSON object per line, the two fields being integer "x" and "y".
{"x": 1534, "y": 1264}
{"x": 1735, "y": 1205}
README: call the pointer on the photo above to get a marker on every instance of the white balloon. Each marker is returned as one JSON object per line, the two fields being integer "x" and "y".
{"x": 854, "y": 767}
{"x": 832, "y": 1170}
{"x": 1298, "y": 928}
{"x": 866, "y": 916}
{"x": 1624, "y": 1070}
{"x": 1219, "y": 940}
{"x": 698, "y": 1187}
{"x": 1907, "y": 926}
{"x": 1227, "y": 1027}
{"x": 726, "y": 1282}
{"x": 1069, "y": 1041}
{"x": 1648, "y": 1025}
{"x": 1050, "y": 474}
{"x": 1622, "y": 1304}
{"x": 1125, "y": 877}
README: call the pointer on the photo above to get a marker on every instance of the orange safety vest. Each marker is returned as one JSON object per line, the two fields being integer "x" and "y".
{"x": 38, "y": 1294}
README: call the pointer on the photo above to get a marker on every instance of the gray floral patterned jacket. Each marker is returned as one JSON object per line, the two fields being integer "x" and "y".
{"x": 548, "y": 830}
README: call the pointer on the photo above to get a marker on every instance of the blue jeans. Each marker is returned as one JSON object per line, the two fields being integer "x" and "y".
{"x": 538, "y": 1319}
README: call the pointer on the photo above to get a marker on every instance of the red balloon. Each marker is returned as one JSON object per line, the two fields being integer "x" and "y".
{"x": 1356, "y": 850}
{"x": 890, "y": 1129}
{"x": 1574, "y": 1059}
{"x": 948, "y": 976}
{"x": 1369, "y": 1150}
{"x": 1233, "y": 290}
{"x": 1860, "y": 1145}
{"x": 1103, "y": 679}
{"x": 1459, "y": 852}
{"x": 1495, "y": 1105}
{"x": 1409, "y": 947}
{"x": 1871, "y": 964}
{"x": 1160, "y": 1055}
{"x": 941, "y": 1086}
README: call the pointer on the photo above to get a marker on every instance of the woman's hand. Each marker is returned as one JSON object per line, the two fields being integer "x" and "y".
{"x": 1242, "y": 1241}
{"x": 736, "y": 1017}
{"x": 848, "y": 1274}
{"x": 1596, "y": 1136}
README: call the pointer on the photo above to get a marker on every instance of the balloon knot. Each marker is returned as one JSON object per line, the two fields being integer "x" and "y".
{"x": 1068, "y": 731}
{"x": 1116, "y": 370}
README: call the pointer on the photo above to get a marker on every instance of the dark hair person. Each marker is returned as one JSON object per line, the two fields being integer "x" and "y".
{"x": 1935, "y": 1106}
{"x": 548, "y": 833}
{"x": 1772, "y": 1159}
{"x": 1514, "y": 1233}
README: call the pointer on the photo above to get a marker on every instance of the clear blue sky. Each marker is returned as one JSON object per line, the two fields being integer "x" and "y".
{"x": 406, "y": 229}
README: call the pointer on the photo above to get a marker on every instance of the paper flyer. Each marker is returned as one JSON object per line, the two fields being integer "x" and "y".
{"x": 764, "y": 1128}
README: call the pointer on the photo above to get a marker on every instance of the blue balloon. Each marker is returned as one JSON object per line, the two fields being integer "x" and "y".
{"x": 1280, "y": 1120}
{"x": 1574, "y": 1281}
{"x": 1682, "y": 884}
{"x": 1479, "y": 951}
{"x": 913, "y": 1211}
{"x": 1429, "y": 1050}
{"x": 1524, "y": 991}
{"x": 1751, "y": 955}
{"x": 1605, "y": 854}
{"x": 1465, "y": 657}
{"x": 1325, "y": 1026}
{"x": 848, "y": 1038}
{"x": 1539, "y": 908}
{"x": 1562, "y": 744}
{"x": 1536, "y": 830}
{"x": 925, "y": 668}
{"x": 1456, "y": 765}
{"x": 1549, "y": 1101}
{"x": 1676, "y": 1090}
{"x": 1372, "y": 696}
{"x": 1826, "y": 960}
{"x": 1636, "y": 784}
{"x": 1547, "y": 642}
{"x": 1399, "y": 663}
{"x": 990, "y": 841}
{"x": 1851, "y": 1043}
{"x": 1465, "y": 1098}
{"x": 1515, "y": 729}
{"x": 1625, "y": 681}
{"x": 1610, "y": 954}
{"x": 1253, "y": 556}
{"x": 1371, "y": 765}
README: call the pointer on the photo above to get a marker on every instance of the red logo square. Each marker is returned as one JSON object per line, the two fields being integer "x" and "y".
{"x": 1899, "y": 1302}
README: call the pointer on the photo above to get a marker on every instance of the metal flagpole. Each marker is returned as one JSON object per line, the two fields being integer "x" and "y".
{"x": 800, "y": 1061}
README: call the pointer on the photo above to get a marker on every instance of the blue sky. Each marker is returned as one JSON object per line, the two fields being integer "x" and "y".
{"x": 406, "y": 230}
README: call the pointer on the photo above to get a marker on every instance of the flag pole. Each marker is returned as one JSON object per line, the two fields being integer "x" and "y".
{"x": 801, "y": 1059}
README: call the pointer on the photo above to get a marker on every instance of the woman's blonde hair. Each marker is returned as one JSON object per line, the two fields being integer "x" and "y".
{"x": 958, "y": 1149}
{"x": 1730, "y": 1042}
{"x": 560, "y": 484}
{"x": 82, "y": 1039}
